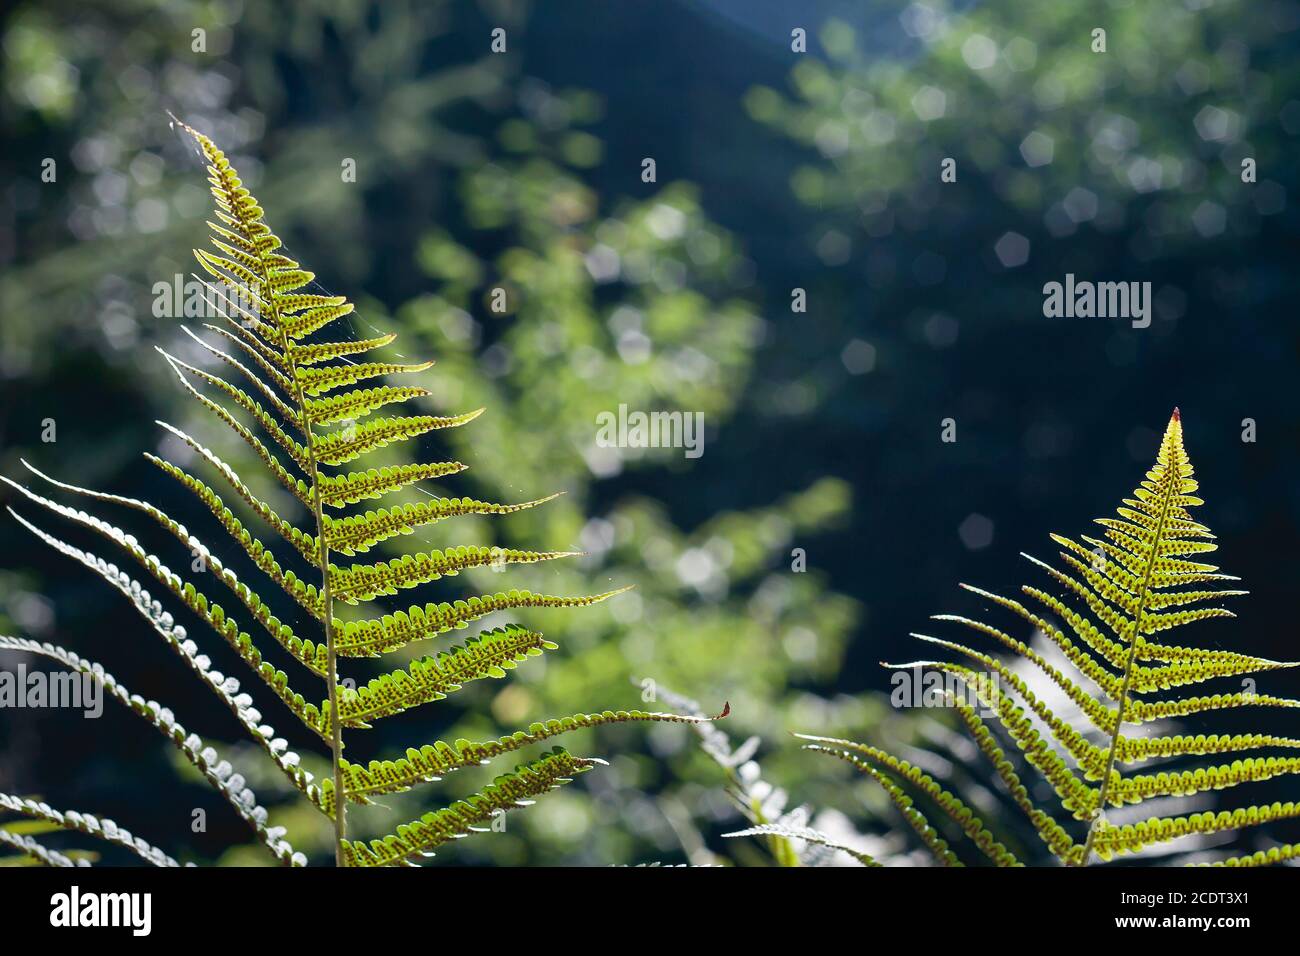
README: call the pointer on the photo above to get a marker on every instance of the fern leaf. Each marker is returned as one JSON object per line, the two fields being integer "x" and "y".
{"x": 339, "y": 490}
{"x": 1111, "y": 841}
{"x": 373, "y": 637}
{"x": 34, "y": 851}
{"x": 318, "y": 352}
{"x": 421, "y": 837}
{"x": 305, "y": 314}
{"x": 363, "y": 582}
{"x": 362, "y": 532}
{"x": 219, "y": 773}
{"x": 807, "y": 835}
{"x": 104, "y": 829}
{"x": 1277, "y": 854}
{"x": 317, "y": 380}
{"x": 358, "y": 403}
{"x": 289, "y": 386}
{"x": 1116, "y": 597}
{"x": 434, "y": 761}
{"x": 341, "y": 447}
{"x": 434, "y": 678}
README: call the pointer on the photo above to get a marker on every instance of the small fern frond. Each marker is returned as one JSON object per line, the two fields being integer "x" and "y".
{"x": 104, "y": 829}
{"x": 340, "y": 490}
{"x": 360, "y": 533}
{"x": 421, "y": 837}
{"x": 1115, "y": 597}
{"x": 372, "y": 637}
{"x": 227, "y": 689}
{"x": 435, "y": 678}
{"x": 432, "y": 762}
{"x": 807, "y": 835}
{"x": 219, "y": 773}
{"x": 35, "y": 851}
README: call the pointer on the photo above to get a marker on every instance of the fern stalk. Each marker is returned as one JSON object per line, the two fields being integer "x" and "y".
{"x": 327, "y": 599}
{"x": 1170, "y": 491}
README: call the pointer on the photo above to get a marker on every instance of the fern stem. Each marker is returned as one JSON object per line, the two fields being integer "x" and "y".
{"x": 1171, "y": 490}
{"x": 327, "y": 600}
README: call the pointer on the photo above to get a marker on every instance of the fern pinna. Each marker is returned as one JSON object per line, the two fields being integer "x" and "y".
{"x": 1107, "y": 612}
{"x": 305, "y": 393}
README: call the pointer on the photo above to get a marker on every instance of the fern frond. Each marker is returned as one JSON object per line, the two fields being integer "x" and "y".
{"x": 219, "y": 773}
{"x": 339, "y": 490}
{"x": 105, "y": 829}
{"x": 176, "y": 637}
{"x": 392, "y": 631}
{"x": 807, "y": 835}
{"x": 363, "y": 582}
{"x": 362, "y": 532}
{"x": 1116, "y": 596}
{"x": 34, "y": 851}
{"x": 304, "y": 394}
{"x": 434, "y": 761}
{"x": 421, "y": 837}
{"x": 490, "y": 654}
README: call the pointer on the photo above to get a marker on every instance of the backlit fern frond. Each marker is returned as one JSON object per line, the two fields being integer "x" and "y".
{"x": 1106, "y": 612}
{"x": 307, "y": 401}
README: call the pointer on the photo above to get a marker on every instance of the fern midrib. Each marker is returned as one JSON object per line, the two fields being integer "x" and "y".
{"x": 1125, "y": 688}
{"x": 327, "y": 598}
{"x": 313, "y": 473}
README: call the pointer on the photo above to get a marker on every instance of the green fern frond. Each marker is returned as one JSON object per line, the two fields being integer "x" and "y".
{"x": 490, "y": 654}
{"x": 297, "y": 394}
{"x": 1107, "y": 611}
{"x": 360, "y": 533}
{"x": 339, "y": 490}
{"x": 372, "y": 637}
